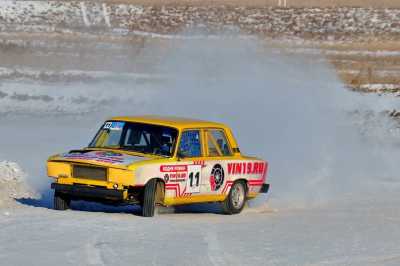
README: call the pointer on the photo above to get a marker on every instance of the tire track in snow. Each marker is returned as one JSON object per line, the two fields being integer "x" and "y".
{"x": 100, "y": 252}
{"x": 94, "y": 254}
{"x": 215, "y": 252}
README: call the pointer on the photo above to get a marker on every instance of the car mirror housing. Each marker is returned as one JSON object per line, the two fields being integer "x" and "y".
{"x": 180, "y": 155}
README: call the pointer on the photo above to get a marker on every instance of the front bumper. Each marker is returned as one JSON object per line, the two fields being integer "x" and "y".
{"x": 89, "y": 192}
{"x": 264, "y": 188}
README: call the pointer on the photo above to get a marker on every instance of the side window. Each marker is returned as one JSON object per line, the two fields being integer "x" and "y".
{"x": 217, "y": 143}
{"x": 212, "y": 146}
{"x": 190, "y": 145}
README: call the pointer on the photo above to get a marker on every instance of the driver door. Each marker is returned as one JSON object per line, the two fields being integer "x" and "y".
{"x": 191, "y": 151}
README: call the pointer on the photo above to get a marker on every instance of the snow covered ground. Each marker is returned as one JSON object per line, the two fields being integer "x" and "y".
{"x": 347, "y": 234}
{"x": 333, "y": 156}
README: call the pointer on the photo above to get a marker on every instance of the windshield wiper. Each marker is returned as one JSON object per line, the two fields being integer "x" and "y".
{"x": 124, "y": 148}
{"x": 107, "y": 148}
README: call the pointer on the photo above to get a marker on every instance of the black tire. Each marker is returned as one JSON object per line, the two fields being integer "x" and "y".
{"x": 231, "y": 205}
{"x": 61, "y": 202}
{"x": 149, "y": 199}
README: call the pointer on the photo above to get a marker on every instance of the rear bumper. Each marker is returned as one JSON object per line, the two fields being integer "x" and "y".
{"x": 88, "y": 192}
{"x": 264, "y": 188}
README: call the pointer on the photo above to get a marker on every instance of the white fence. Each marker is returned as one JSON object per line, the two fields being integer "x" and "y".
{"x": 282, "y": 3}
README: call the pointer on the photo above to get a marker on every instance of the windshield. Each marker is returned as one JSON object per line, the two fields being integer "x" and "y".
{"x": 137, "y": 137}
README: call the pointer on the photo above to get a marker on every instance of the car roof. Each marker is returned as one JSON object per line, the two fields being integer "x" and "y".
{"x": 171, "y": 121}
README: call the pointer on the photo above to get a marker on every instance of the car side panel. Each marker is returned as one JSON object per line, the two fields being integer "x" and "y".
{"x": 176, "y": 178}
{"x": 219, "y": 174}
{"x": 203, "y": 179}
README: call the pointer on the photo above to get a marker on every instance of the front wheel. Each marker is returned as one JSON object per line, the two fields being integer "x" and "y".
{"x": 236, "y": 199}
{"x": 61, "y": 202}
{"x": 149, "y": 198}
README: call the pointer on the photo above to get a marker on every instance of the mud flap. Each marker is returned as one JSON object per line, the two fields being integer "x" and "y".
{"x": 264, "y": 188}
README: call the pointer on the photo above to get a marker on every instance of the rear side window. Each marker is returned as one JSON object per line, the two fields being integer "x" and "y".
{"x": 190, "y": 145}
{"x": 217, "y": 143}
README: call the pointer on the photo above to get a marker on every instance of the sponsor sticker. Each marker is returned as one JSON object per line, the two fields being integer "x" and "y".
{"x": 246, "y": 168}
{"x": 166, "y": 178}
{"x": 173, "y": 168}
{"x": 217, "y": 177}
{"x": 114, "y": 125}
{"x": 101, "y": 156}
{"x": 193, "y": 183}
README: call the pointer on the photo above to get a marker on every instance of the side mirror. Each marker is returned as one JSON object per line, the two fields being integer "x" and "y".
{"x": 180, "y": 155}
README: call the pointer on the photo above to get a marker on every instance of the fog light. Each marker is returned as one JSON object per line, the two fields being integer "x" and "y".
{"x": 115, "y": 186}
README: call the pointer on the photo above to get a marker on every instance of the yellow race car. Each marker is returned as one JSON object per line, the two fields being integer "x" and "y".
{"x": 151, "y": 160}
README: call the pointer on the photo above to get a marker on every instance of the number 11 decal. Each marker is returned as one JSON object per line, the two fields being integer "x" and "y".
{"x": 193, "y": 183}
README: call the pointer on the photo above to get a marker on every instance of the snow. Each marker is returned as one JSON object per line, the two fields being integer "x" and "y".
{"x": 345, "y": 231}
{"x": 10, "y": 171}
{"x": 380, "y": 87}
{"x": 359, "y": 234}
{"x": 74, "y": 75}
{"x": 333, "y": 157}
{"x": 340, "y": 23}
{"x": 25, "y": 97}
{"x": 12, "y": 184}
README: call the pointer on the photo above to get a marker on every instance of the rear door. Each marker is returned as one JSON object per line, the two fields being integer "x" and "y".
{"x": 218, "y": 154}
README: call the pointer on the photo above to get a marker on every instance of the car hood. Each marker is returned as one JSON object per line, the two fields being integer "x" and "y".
{"x": 99, "y": 157}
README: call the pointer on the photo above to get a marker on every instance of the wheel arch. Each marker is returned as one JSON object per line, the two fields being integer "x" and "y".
{"x": 227, "y": 204}
{"x": 160, "y": 189}
{"x": 244, "y": 181}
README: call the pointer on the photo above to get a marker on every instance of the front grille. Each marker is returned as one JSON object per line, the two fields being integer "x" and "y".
{"x": 88, "y": 172}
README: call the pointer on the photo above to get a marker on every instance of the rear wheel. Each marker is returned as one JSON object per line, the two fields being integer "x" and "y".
{"x": 236, "y": 199}
{"x": 149, "y": 199}
{"x": 61, "y": 202}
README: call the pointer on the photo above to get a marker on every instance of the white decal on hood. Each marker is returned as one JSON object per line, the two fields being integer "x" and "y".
{"x": 103, "y": 157}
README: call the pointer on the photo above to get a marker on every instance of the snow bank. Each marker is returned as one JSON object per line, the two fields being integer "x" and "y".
{"x": 69, "y": 99}
{"x": 12, "y": 184}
